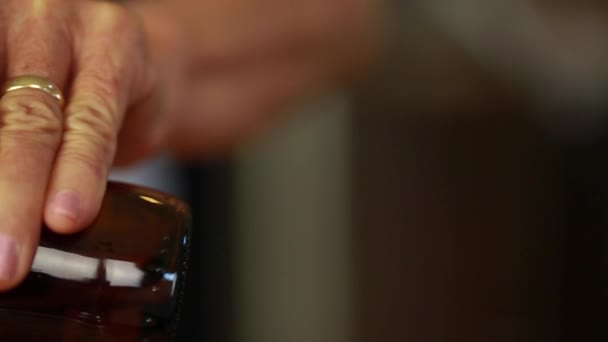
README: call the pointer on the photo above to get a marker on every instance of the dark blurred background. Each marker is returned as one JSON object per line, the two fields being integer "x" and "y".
{"x": 458, "y": 193}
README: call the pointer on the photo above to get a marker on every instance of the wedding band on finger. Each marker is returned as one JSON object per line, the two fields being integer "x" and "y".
{"x": 34, "y": 82}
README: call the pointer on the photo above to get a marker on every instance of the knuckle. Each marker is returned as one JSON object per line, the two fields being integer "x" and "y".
{"x": 114, "y": 15}
{"x": 93, "y": 123}
{"x": 90, "y": 142}
{"x": 42, "y": 17}
{"x": 121, "y": 26}
{"x": 28, "y": 116}
{"x": 120, "y": 52}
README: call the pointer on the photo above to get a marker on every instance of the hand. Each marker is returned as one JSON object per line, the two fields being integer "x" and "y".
{"x": 249, "y": 61}
{"x": 54, "y": 163}
{"x": 241, "y": 64}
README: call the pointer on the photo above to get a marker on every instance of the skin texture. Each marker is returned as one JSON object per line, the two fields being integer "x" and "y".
{"x": 246, "y": 61}
{"x": 195, "y": 77}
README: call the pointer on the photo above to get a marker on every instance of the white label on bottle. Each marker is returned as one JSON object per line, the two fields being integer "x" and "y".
{"x": 65, "y": 265}
{"x": 71, "y": 266}
{"x": 123, "y": 273}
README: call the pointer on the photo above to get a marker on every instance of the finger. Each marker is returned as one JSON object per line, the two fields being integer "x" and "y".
{"x": 147, "y": 123}
{"x": 38, "y": 42}
{"x": 30, "y": 132}
{"x": 144, "y": 131}
{"x": 232, "y": 107}
{"x": 108, "y": 67}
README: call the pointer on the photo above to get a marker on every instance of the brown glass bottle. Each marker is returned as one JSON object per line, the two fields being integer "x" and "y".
{"x": 121, "y": 279}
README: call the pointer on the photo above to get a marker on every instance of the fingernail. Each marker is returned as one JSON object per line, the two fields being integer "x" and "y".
{"x": 8, "y": 257}
{"x": 66, "y": 203}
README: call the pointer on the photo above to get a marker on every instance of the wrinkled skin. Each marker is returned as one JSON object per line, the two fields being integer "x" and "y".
{"x": 195, "y": 77}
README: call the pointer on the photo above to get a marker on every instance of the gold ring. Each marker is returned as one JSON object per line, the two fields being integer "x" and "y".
{"x": 34, "y": 82}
